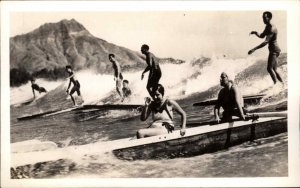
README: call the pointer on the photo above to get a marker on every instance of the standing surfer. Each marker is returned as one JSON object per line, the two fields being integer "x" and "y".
{"x": 153, "y": 67}
{"x": 118, "y": 77}
{"x": 76, "y": 85}
{"x": 270, "y": 33}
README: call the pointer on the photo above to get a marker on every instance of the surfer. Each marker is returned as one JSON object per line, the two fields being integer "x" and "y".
{"x": 118, "y": 77}
{"x": 270, "y": 33}
{"x": 153, "y": 67}
{"x": 230, "y": 100}
{"x": 162, "y": 115}
{"x": 76, "y": 85}
{"x": 36, "y": 87}
{"x": 126, "y": 90}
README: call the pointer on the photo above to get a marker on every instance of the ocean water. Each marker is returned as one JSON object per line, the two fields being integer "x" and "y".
{"x": 92, "y": 133}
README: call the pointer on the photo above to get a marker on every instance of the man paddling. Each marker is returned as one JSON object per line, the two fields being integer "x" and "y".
{"x": 153, "y": 68}
{"x": 230, "y": 100}
{"x": 118, "y": 77}
{"x": 270, "y": 33}
{"x": 36, "y": 87}
{"x": 76, "y": 85}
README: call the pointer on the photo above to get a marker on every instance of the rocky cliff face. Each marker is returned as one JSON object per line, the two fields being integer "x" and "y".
{"x": 45, "y": 52}
{"x": 55, "y": 45}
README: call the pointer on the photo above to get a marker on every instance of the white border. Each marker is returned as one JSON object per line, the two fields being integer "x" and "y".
{"x": 292, "y": 8}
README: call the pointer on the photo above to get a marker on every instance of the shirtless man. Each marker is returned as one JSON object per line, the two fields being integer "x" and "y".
{"x": 270, "y": 33}
{"x": 76, "y": 85}
{"x": 36, "y": 87}
{"x": 118, "y": 75}
{"x": 230, "y": 100}
{"x": 162, "y": 115}
{"x": 153, "y": 67}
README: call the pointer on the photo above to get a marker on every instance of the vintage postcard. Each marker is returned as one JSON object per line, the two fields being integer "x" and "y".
{"x": 150, "y": 94}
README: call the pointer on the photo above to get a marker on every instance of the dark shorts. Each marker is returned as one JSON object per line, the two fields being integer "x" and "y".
{"x": 41, "y": 90}
{"x": 76, "y": 87}
{"x": 154, "y": 79}
{"x": 272, "y": 59}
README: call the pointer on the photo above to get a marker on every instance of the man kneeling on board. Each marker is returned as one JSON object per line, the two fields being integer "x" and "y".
{"x": 162, "y": 114}
{"x": 126, "y": 90}
{"x": 36, "y": 87}
{"x": 230, "y": 100}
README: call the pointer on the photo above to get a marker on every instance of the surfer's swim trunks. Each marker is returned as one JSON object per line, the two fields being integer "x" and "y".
{"x": 153, "y": 80}
{"x": 76, "y": 87}
{"x": 272, "y": 59}
{"x": 42, "y": 90}
{"x": 39, "y": 89}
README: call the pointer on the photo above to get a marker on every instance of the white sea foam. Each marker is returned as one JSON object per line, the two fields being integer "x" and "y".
{"x": 176, "y": 78}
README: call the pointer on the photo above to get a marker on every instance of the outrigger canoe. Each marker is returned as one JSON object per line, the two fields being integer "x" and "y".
{"x": 203, "y": 139}
{"x": 206, "y": 138}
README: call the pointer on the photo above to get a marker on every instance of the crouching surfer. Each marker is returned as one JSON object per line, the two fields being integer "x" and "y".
{"x": 162, "y": 114}
{"x": 36, "y": 87}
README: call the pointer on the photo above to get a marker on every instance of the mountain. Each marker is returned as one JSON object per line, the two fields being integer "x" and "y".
{"x": 45, "y": 52}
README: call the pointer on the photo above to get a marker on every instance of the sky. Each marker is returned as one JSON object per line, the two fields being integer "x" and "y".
{"x": 179, "y": 34}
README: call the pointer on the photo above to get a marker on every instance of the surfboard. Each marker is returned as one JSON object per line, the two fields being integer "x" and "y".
{"x": 110, "y": 107}
{"x": 26, "y": 102}
{"x": 248, "y": 99}
{"x": 84, "y": 108}
{"x": 60, "y": 111}
{"x": 32, "y": 145}
{"x": 27, "y": 117}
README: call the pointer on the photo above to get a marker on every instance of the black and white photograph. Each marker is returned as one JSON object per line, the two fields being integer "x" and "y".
{"x": 150, "y": 94}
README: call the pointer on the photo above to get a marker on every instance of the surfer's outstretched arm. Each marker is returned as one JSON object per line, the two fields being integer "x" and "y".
{"x": 178, "y": 109}
{"x": 146, "y": 70}
{"x": 262, "y": 35}
{"x": 268, "y": 38}
{"x": 70, "y": 76}
{"x": 150, "y": 64}
{"x": 268, "y": 33}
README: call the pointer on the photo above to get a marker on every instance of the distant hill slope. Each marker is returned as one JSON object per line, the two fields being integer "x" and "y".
{"x": 45, "y": 52}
